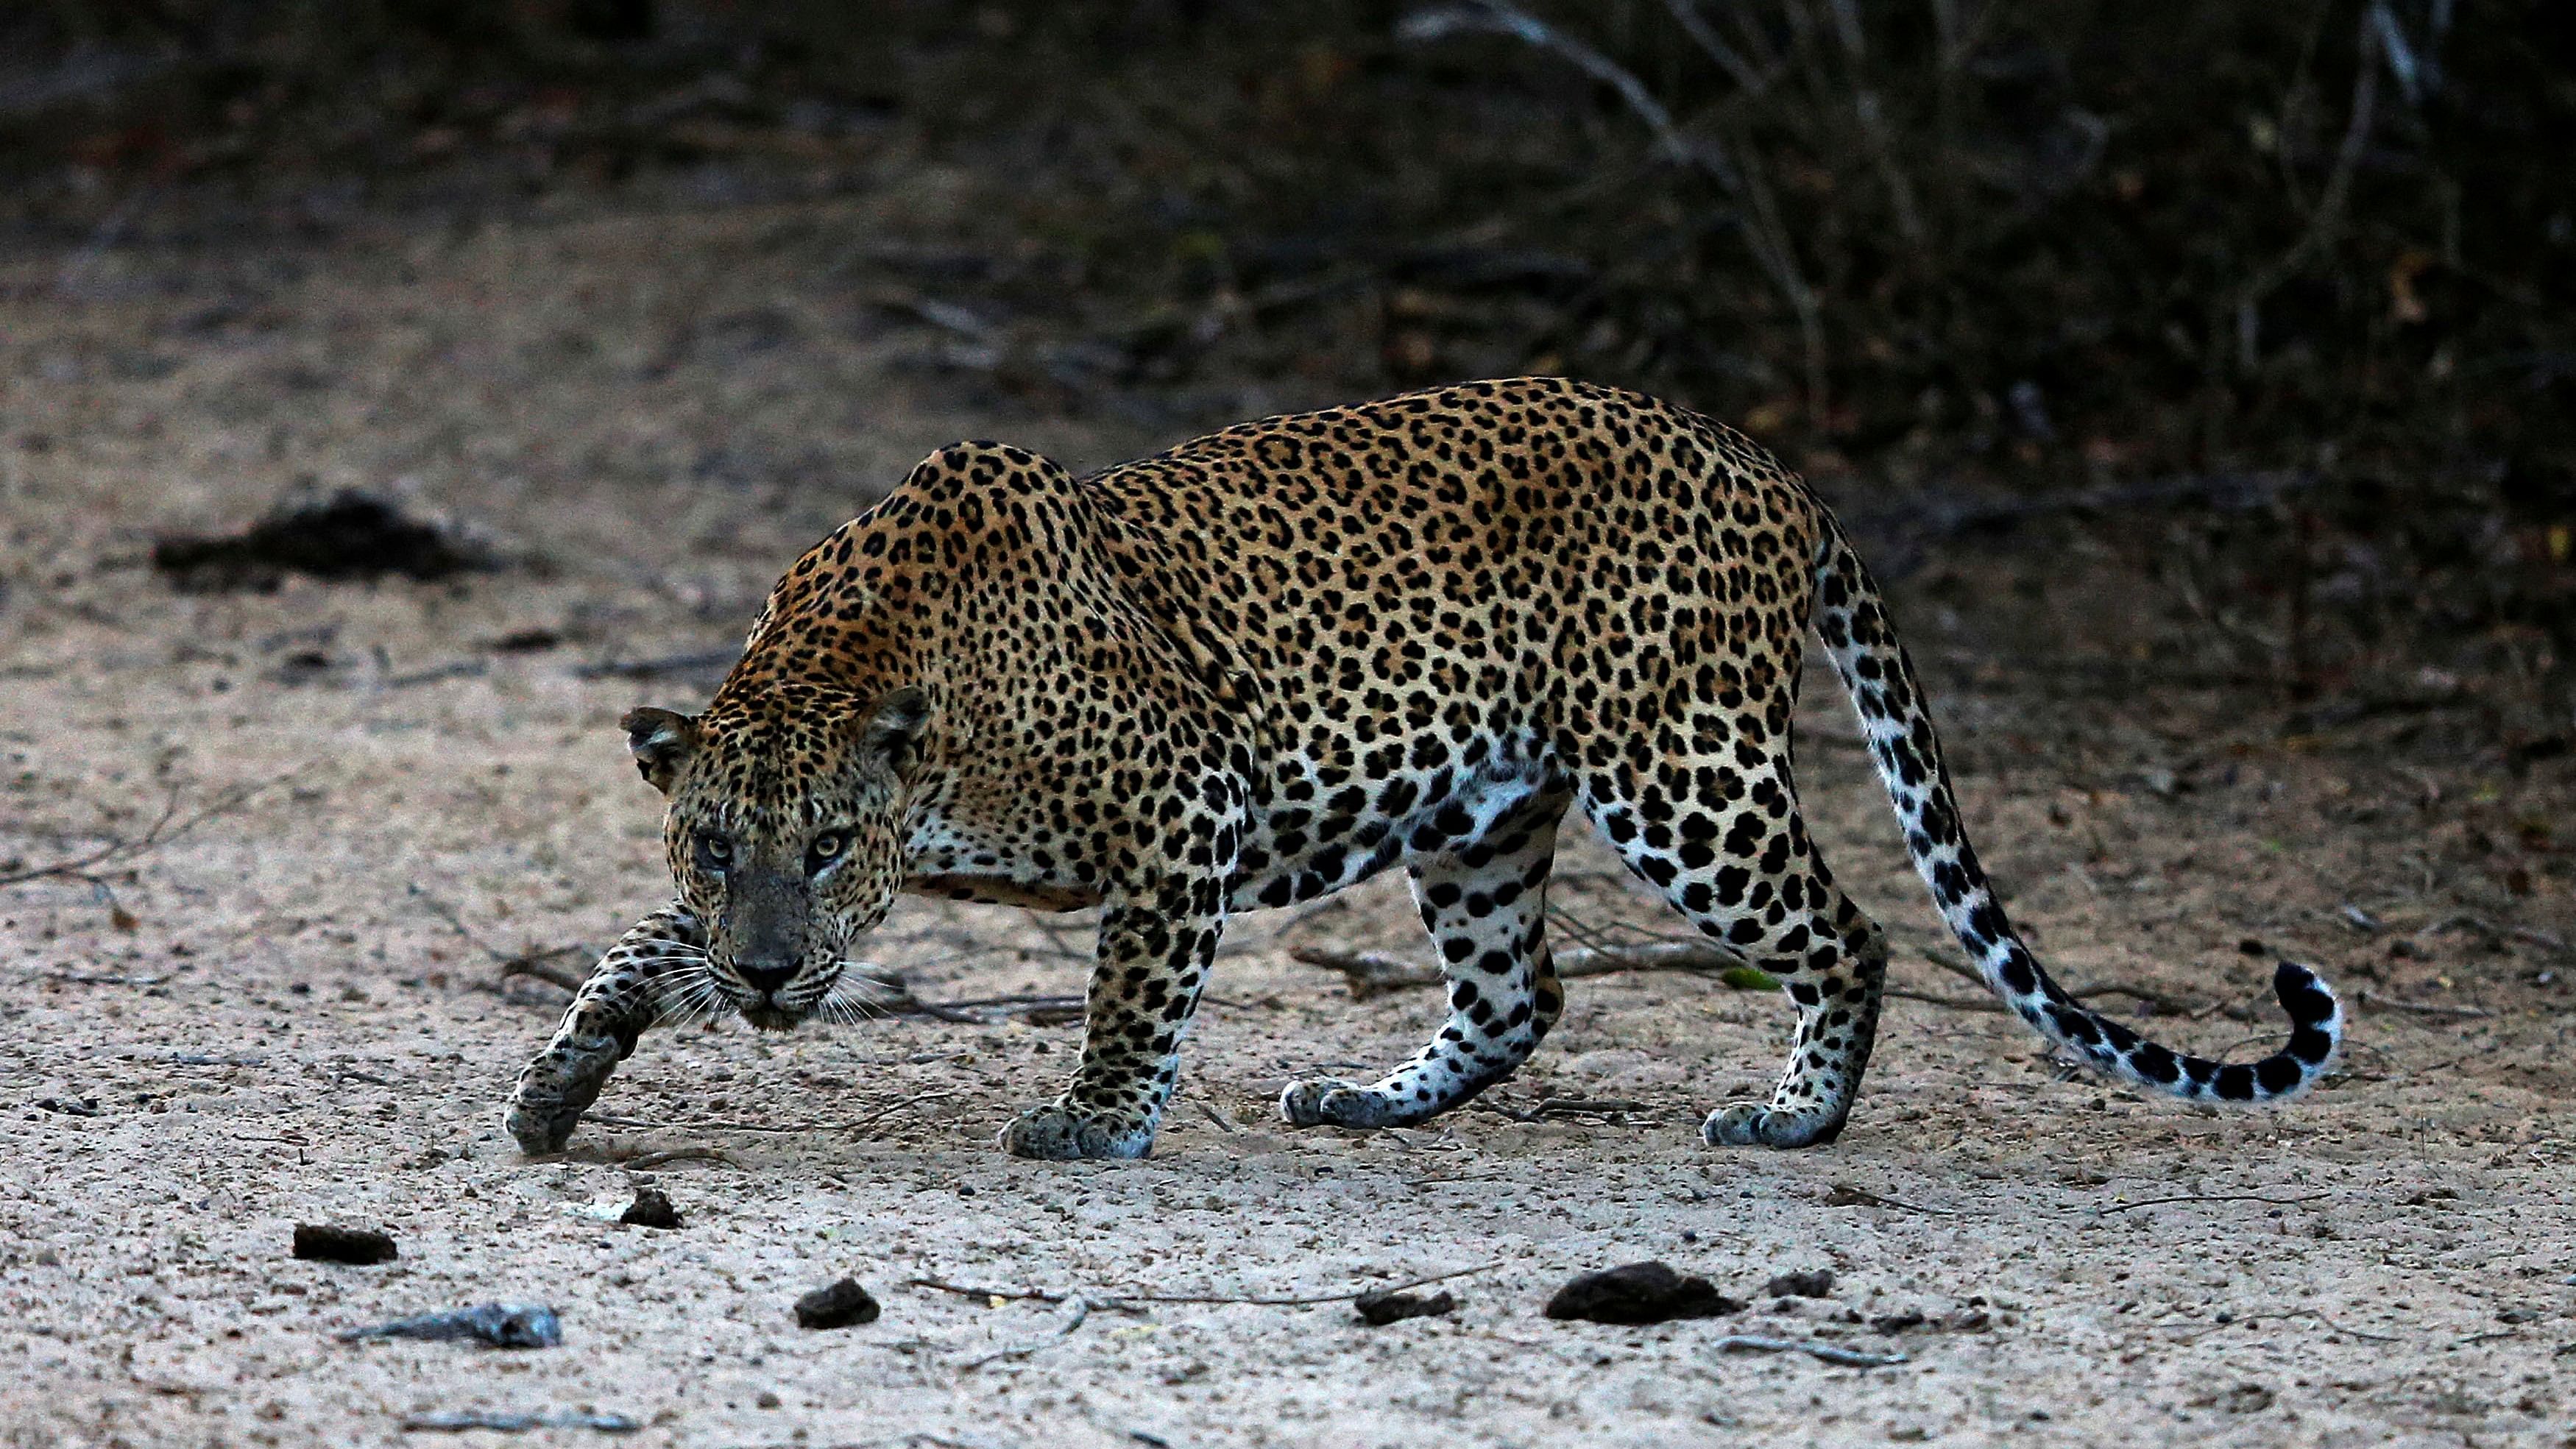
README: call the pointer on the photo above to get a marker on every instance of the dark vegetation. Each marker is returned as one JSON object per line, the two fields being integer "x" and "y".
{"x": 2290, "y": 283}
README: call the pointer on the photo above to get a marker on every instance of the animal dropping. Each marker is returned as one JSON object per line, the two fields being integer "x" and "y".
{"x": 327, "y": 1243}
{"x": 839, "y": 1304}
{"x": 1640, "y": 1293}
{"x": 1270, "y": 663}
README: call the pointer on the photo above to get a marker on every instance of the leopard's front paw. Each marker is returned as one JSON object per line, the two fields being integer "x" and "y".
{"x": 555, "y": 1090}
{"x": 1060, "y": 1132}
{"x": 1747, "y": 1124}
{"x": 1331, "y": 1102}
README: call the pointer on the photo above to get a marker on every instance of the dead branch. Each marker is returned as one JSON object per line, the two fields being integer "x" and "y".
{"x": 1765, "y": 234}
{"x": 2468, "y": 921}
{"x": 1564, "y": 1107}
{"x": 530, "y": 962}
{"x": 973, "y": 1011}
{"x": 166, "y": 827}
{"x": 2331, "y": 1325}
{"x": 1695, "y": 25}
{"x": 647, "y": 1161}
{"x": 1846, "y": 1194}
{"x": 1899, "y": 535}
{"x": 533, "y": 964}
{"x": 711, "y": 1125}
{"x": 1947, "y": 1003}
{"x": 1373, "y": 973}
{"x": 1370, "y": 973}
{"x": 1829, "y": 1352}
{"x": 2148, "y": 1202}
{"x": 1081, "y": 1314}
{"x": 2326, "y": 221}
{"x": 1125, "y": 1301}
{"x": 2425, "y": 1008}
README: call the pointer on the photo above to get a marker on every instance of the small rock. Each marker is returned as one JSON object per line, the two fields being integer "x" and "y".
{"x": 838, "y": 1305}
{"x": 765, "y": 1400}
{"x": 1898, "y": 1322}
{"x": 651, "y": 1209}
{"x": 1379, "y": 1307}
{"x": 323, "y": 1243}
{"x": 1812, "y": 1283}
{"x": 1639, "y": 1293}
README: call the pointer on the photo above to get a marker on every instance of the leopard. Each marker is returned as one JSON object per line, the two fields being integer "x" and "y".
{"x": 1267, "y": 664}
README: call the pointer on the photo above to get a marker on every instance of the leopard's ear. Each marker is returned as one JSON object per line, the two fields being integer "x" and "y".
{"x": 894, "y": 726}
{"x": 661, "y": 741}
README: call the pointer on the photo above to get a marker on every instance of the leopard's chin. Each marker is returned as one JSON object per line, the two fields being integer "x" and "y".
{"x": 766, "y": 1017}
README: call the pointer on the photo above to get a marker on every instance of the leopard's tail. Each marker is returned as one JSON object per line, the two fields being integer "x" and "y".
{"x": 1852, "y": 619}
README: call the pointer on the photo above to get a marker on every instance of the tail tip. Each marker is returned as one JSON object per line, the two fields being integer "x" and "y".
{"x": 2316, "y": 1018}
{"x": 2304, "y": 995}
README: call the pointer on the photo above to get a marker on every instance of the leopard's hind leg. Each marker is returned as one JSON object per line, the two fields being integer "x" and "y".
{"x": 1485, "y": 904}
{"x": 1730, "y": 852}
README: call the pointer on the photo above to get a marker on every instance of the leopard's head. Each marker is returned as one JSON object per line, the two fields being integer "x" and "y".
{"x": 785, "y": 833}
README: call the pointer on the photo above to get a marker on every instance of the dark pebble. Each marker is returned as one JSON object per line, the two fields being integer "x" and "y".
{"x": 837, "y": 1306}
{"x": 651, "y": 1209}
{"x": 323, "y": 1243}
{"x": 1639, "y": 1293}
{"x": 1379, "y": 1307}
{"x": 1898, "y": 1322}
{"x": 1814, "y": 1283}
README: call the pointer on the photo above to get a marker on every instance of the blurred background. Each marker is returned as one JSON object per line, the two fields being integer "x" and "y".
{"x": 2280, "y": 290}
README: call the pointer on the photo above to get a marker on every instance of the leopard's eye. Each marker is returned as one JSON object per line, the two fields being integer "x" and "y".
{"x": 827, "y": 848}
{"x": 714, "y": 853}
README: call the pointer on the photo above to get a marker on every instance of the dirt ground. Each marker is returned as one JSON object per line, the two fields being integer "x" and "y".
{"x": 275, "y": 1016}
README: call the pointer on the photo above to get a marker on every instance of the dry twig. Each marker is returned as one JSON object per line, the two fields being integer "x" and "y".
{"x": 1081, "y": 1314}
{"x": 647, "y": 1161}
{"x": 1564, "y": 1107}
{"x": 1829, "y": 1352}
{"x": 855, "y": 1125}
{"x": 2425, "y": 1008}
{"x": 166, "y": 827}
{"x": 1845, "y": 1194}
{"x": 1125, "y": 1301}
{"x": 533, "y": 965}
{"x": 1370, "y": 973}
{"x": 2148, "y": 1202}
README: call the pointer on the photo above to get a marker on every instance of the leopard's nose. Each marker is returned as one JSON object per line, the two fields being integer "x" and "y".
{"x": 765, "y": 979}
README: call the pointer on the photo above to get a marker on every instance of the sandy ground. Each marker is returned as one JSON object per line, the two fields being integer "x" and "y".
{"x": 269, "y": 1018}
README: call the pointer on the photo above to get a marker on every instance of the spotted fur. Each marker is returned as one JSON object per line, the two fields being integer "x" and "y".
{"x": 1271, "y": 662}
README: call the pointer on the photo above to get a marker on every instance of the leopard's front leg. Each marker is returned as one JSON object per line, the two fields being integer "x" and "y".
{"x": 1155, "y": 950}
{"x": 623, "y": 996}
